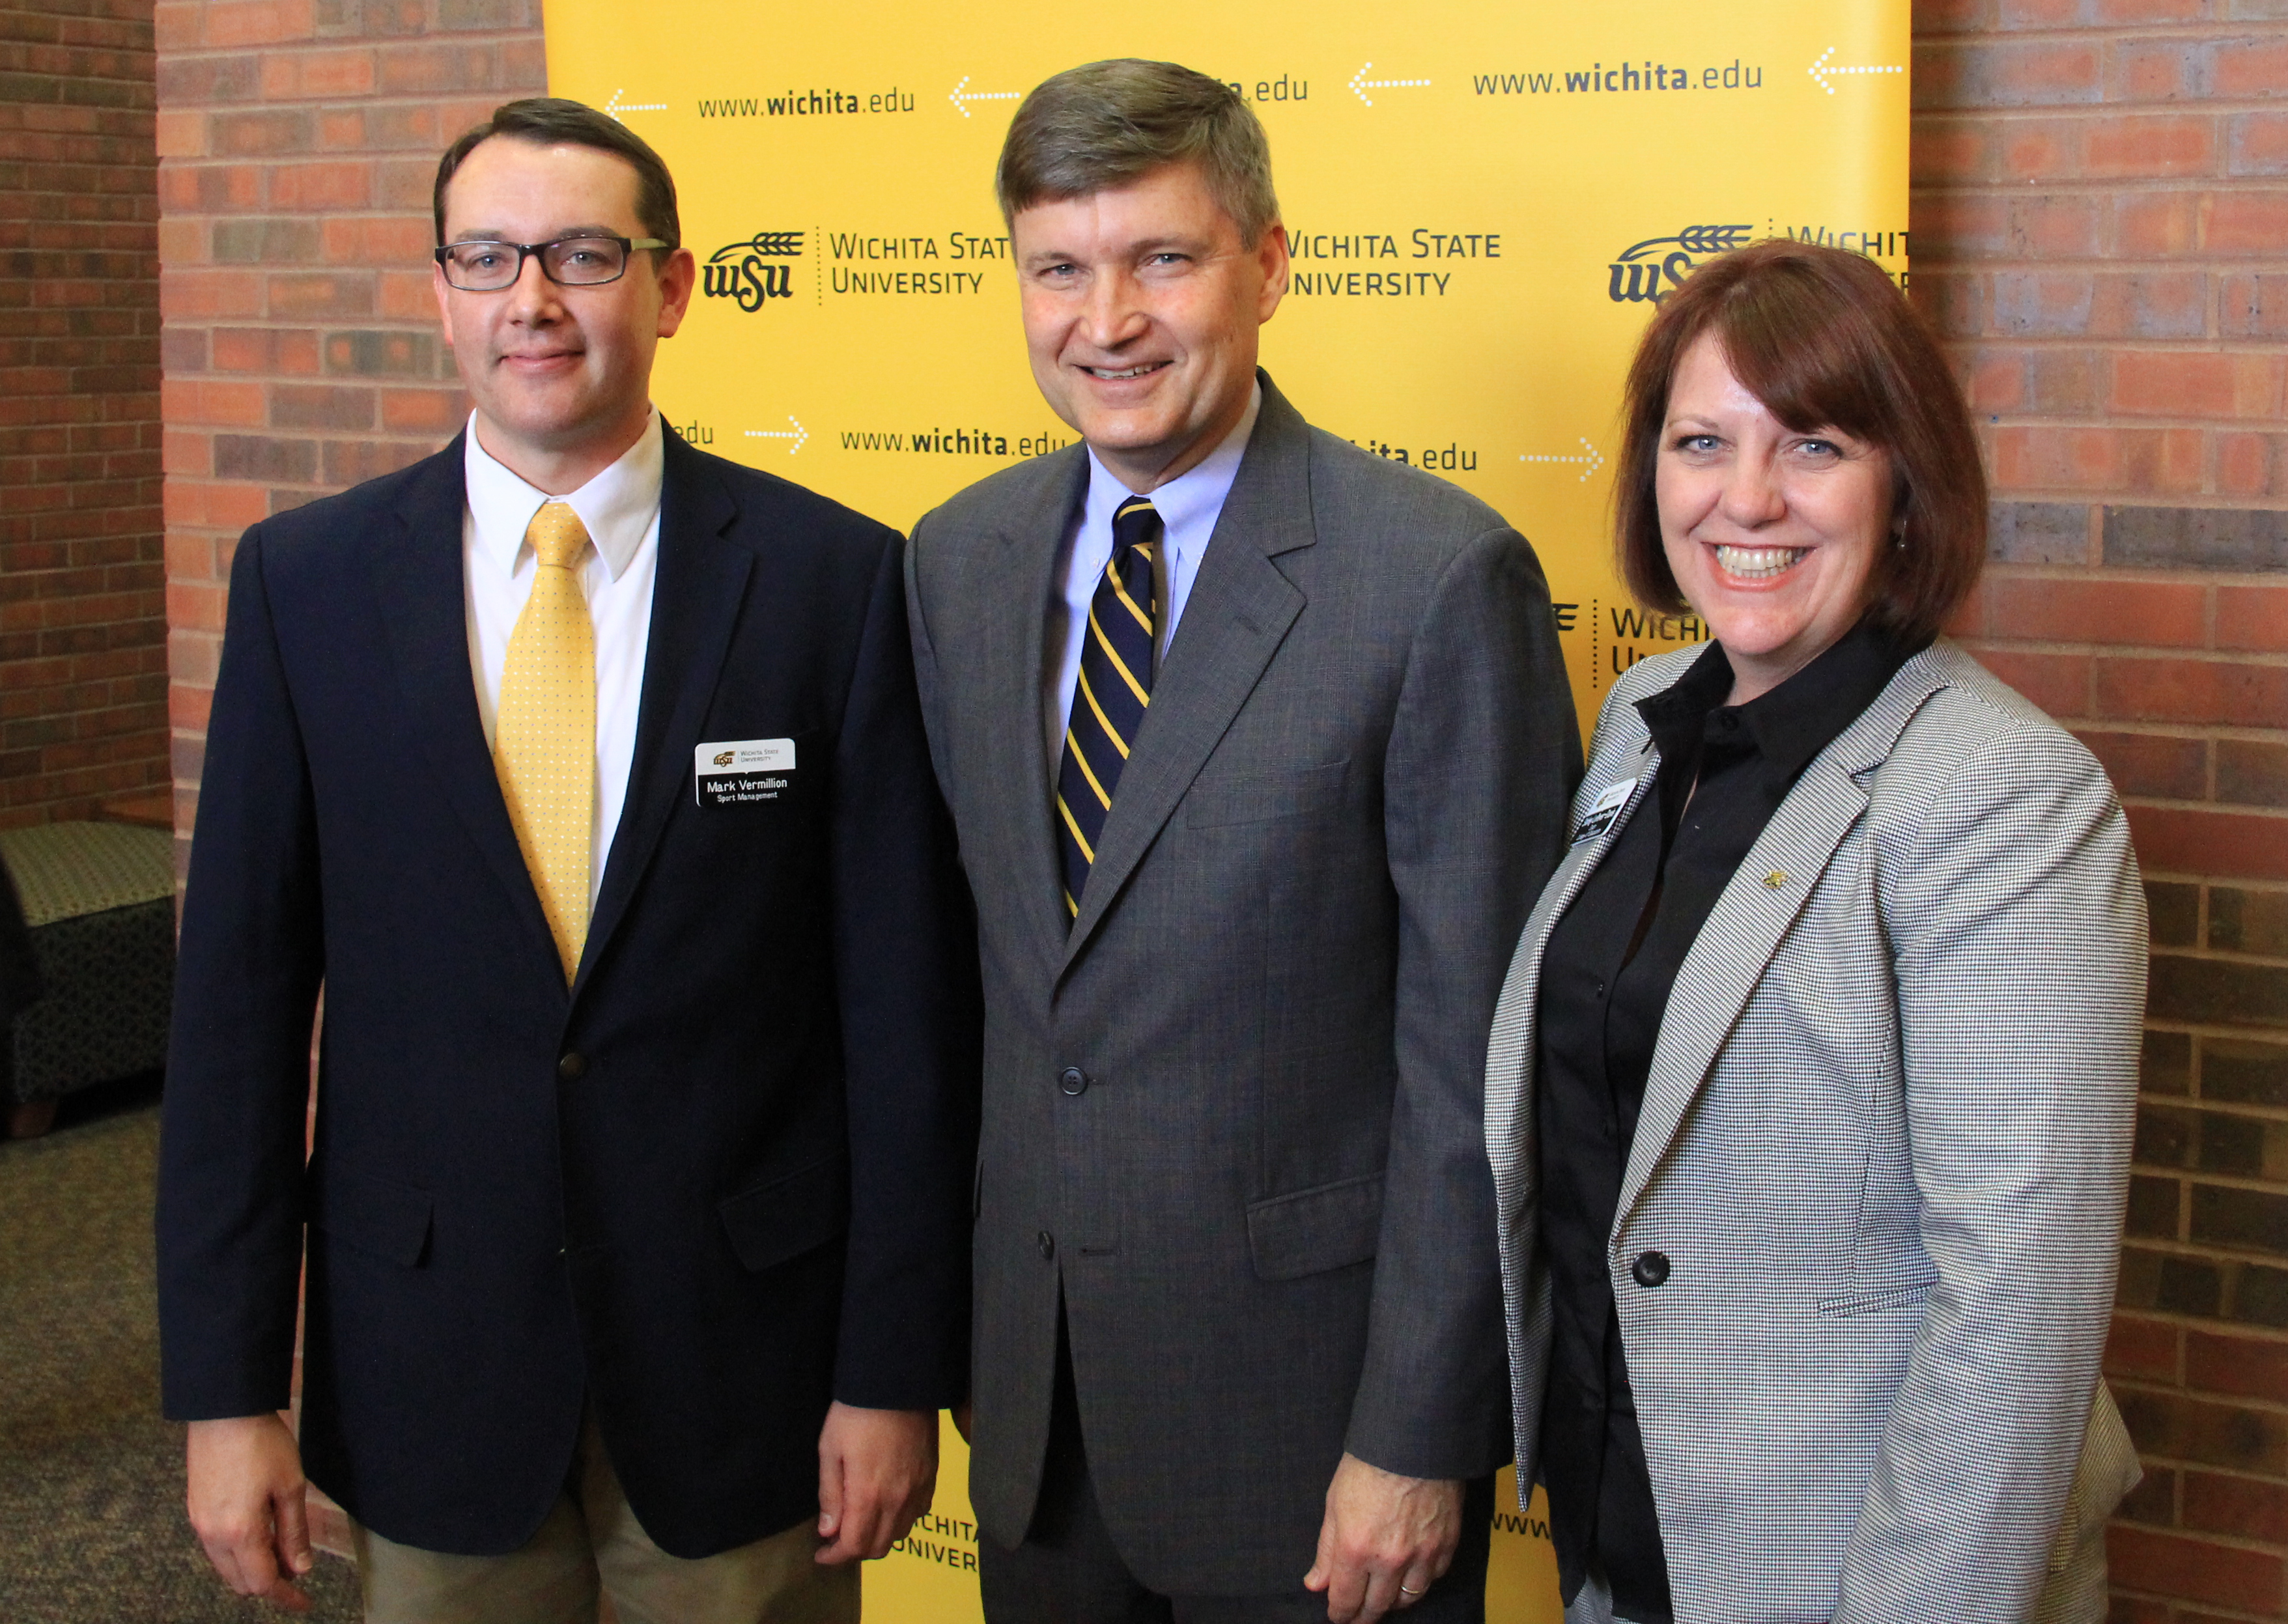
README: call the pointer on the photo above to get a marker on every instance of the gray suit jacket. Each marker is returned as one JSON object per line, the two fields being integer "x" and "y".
{"x": 1885, "y": 1147}
{"x": 1261, "y": 1189}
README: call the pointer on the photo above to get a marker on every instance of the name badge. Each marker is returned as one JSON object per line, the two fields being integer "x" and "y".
{"x": 742, "y": 772}
{"x": 1604, "y": 810}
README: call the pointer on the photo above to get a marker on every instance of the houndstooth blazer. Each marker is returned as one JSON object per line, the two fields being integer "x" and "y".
{"x": 1884, "y": 1147}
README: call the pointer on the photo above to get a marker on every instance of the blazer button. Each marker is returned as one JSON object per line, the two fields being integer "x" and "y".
{"x": 1047, "y": 1243}
{"x": 1073, "y": 1081}
{"x": 1650, "y": 1269}
{"x": 572, "y": 1065}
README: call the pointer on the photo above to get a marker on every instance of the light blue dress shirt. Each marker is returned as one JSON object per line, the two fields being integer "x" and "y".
{"x": 1188, "y": 505}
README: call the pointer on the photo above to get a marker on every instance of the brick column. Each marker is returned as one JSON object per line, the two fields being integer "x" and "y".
{"x": 2100, "y": 212}
{"x": 82, "y": 626}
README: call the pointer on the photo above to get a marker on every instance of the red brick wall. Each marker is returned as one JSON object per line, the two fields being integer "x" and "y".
{"x": 82, "y": 626}
{"x": 2101, "y": 225}
{"x": 298, "y": 140}
{"x": 2100, "y": 215}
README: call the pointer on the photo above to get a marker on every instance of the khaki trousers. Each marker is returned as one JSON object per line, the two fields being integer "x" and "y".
{"x": 591, "y": 1546}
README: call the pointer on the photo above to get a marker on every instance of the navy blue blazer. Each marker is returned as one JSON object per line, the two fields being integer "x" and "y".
{"x": 721, "y": 1180}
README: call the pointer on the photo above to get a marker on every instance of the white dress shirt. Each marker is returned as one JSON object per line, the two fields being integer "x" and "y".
{"x": 620, "y": 508}
{"x": 1188, "y": 505}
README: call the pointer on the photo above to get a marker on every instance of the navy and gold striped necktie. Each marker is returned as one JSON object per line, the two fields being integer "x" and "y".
{"x": 1110, "y": 696}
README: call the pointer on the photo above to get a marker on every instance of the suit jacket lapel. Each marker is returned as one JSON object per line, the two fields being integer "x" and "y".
{"x": 425, "y": 609}
{"x": 1510, "y": 1049}
{"x": 696, "y": 597}
{"x": 1240, "y": 608}
{"x": 1019, "y": 568}
{"x": 1750, "y": 918}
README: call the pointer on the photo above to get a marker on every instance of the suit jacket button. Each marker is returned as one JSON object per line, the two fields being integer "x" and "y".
{"x": 572, "y": 1065}
{"x": 1073, "y": 1081}
{"x": 1651, "y": 1268}
{"x": 1047, "y": 1243}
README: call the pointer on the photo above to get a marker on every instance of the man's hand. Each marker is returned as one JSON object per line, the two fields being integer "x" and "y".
{"x": 245, "y": 1502}
{"x": 1386, "y": 1539}
{"x": 876, "y": 1470}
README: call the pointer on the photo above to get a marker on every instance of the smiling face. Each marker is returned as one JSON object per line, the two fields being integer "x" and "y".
{"x": 1773, "y": 535}
{"x": 1141, "y": 307}
{"x": 561, "y": 377}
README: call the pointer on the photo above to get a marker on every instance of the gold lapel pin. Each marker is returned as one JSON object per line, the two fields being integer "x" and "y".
{"x": 1776, "y": 878}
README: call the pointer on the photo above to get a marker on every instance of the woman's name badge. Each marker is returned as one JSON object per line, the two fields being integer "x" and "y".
{"x": 1604, "y": 810}
{"x": 737, "y": 771}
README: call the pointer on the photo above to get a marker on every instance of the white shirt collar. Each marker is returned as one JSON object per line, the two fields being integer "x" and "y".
{"x": 617, "y": 506}
{"x": 1197, "y": 492}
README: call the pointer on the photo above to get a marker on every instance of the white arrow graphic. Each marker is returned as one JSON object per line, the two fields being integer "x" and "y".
{"x": 798, "y": 434}
{"x": 616, "y": 107}
{"x": 1595, "y": 459}
{"x": 963, "y": 96}
{"x": 1360, "y": 85}
{"x": 1819, "y": 70}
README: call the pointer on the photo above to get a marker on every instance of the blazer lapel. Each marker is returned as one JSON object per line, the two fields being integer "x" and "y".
{"x": 1510, "y": 1058}
{"x": 425, "y": 609}
{"x": 1754, "y": 915}
{"x": 1017, "y": 569}
{"x": 1240, "y": 608}
{"x": 696, "y": 597}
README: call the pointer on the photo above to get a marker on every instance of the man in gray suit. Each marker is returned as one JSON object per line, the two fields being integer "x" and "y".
{"x": 1259, "y": 747}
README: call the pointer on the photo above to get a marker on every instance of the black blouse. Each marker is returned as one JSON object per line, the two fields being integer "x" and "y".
{"x": 1605, "y": 980}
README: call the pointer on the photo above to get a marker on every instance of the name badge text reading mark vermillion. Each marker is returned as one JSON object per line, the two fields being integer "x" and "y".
{"x": 742, "y": 772}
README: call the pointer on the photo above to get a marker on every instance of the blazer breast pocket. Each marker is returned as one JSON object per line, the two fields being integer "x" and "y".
{"x": 785, "y": 1217}
{"x": 379, "y": 1216}
{"x": 1260, "y": 797}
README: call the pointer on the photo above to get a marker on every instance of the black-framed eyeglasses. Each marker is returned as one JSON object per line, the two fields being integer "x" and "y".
{"x": 586, "y": 261}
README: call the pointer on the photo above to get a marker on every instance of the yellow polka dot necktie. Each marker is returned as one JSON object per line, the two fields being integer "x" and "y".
{"x": 544, "y": 740}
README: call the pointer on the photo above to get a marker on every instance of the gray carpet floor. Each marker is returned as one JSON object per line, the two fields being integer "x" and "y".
{"x": 91, "y": 1526}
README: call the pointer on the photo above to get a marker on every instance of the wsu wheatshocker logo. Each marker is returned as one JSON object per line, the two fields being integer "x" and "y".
{"x": 750, "y": 271}
{"x": 1644, "y": 273}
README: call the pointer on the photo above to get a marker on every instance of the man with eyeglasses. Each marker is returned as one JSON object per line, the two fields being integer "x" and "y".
{"x": 585, "y": 772}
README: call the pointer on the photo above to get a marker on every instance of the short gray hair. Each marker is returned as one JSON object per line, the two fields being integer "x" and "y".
{"x": 1107, "y": 124}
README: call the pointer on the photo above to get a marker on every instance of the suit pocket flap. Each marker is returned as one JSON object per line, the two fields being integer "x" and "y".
{"x": 1876, "y": 1300}
{"x": 374, "y": 1214}
{"x": 789, "y": 1216}
{"x": 1315, "y": 1230}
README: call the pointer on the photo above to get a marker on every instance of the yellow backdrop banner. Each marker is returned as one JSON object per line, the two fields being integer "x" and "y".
{"x": 1485, "y": 205}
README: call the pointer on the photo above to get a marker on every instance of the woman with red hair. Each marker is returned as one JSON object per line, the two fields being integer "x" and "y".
{"x": 1809, "y": 1099}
